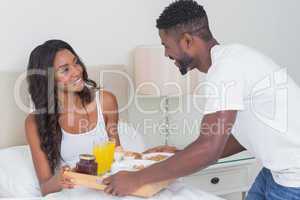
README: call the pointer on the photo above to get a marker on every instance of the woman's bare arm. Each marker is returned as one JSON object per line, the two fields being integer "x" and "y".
{"x": 49, "y": 183}
{"x": 111, "y": 115}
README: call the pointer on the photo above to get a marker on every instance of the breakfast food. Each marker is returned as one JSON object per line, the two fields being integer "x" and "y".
{"x": 157, "y": 157}
{"x": 134, "y": 155}
{"x": 138, "y": 167}
{"x": 128, "y": 154}
{"x": 162, "y": 149}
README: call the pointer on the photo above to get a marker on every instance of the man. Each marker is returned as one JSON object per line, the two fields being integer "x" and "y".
{"x": 243, "y": 83}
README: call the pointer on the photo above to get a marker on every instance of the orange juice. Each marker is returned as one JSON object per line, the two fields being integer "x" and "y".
{"x": 104, "y": 153}
{"x": 110, "y": 154}
{"x": 98, "y": 152}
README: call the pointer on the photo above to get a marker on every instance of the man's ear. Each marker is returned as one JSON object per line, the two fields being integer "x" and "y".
{"x": 186, "y": 41}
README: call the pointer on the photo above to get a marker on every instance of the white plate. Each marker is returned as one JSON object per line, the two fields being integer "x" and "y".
{"x": 149, "y": 155}
{"x": 128, "y": 165}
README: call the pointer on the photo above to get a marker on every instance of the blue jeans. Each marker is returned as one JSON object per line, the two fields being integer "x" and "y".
{"x": 265, "y": 188}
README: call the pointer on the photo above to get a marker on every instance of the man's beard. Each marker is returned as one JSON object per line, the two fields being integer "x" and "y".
{"x": 184, "y": 62}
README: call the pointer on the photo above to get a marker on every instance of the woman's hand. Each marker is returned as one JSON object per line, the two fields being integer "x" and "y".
{"x": 65, "y": 181}
{"x": 163, "y": 148}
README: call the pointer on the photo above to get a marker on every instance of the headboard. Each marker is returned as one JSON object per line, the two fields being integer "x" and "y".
{"x": 14, "y": 101}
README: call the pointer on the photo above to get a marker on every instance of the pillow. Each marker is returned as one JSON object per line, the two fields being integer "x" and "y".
{"x": 17, "y": 174}
{"x": 130, "y": 139}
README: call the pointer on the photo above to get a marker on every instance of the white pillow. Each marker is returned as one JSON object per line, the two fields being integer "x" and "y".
{"x": 130, "y": 139}
{"x": 17, "y": 174}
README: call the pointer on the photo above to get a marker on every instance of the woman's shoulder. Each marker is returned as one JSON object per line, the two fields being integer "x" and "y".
{"x": 30, "y": 119}
{"x": 108, "y": 99}
{"x": 106, "y": 94}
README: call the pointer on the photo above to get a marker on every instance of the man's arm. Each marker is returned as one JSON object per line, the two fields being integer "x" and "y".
{"x": 215, "y": 131}
{"x": 232, "y": 147}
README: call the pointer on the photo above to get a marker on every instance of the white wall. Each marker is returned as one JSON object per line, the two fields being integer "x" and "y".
{"x": 272, "y": 26}
{"x": 101, "y": 31}
{"x": 105, "y": 31}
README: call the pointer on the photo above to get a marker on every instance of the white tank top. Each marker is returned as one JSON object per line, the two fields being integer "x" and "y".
{"x": 72, "y": 145}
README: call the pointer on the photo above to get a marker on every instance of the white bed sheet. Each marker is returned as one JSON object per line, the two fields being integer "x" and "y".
{"x": 177, "y": 191}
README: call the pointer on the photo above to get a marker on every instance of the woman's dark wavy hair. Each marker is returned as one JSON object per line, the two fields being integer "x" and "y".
{"x": 43, "y": 92}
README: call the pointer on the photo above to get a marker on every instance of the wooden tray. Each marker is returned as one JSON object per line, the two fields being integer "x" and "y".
{"x": 95, "y": 182}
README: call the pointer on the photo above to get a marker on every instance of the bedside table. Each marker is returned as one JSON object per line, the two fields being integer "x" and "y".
{"x": 234, "y": 174}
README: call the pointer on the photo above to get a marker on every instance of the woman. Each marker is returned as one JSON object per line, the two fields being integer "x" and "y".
{"x": 71, "y": 112}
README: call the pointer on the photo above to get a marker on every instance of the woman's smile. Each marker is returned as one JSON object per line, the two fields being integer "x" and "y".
{"x": 78, "y": 81}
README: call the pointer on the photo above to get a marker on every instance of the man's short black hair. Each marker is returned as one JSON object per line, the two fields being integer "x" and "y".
{"x": 185, "y": 16}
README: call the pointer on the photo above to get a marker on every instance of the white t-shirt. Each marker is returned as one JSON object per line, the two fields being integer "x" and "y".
{"x": 268, "y": 105}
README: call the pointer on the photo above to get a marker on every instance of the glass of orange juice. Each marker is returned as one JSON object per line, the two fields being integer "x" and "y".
{"x": 104, "y": 154}
{"x": 99, "y": 153}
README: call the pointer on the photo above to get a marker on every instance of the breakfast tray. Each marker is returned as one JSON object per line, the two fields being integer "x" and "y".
{"x": 95, "y": 182}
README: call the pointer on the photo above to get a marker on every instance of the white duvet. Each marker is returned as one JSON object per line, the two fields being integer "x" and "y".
{"x": 176, "y": 191}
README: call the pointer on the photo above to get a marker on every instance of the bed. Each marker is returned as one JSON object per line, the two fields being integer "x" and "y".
{"x": 17, "y": 175}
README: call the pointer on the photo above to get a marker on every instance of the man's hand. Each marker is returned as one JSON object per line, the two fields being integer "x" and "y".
{"x": 122, "y": 183}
